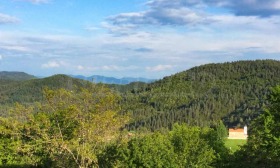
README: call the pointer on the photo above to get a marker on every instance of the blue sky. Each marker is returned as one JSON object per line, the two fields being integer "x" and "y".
{"x": 139, "y": 38}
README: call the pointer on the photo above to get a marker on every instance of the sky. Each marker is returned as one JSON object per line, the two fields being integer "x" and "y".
{"x": 134, "y": 38}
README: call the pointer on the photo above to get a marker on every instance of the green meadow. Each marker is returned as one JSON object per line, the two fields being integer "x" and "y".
{"x": 235, "y": 144}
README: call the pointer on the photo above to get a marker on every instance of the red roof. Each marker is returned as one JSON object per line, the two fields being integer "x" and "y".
{"x": 236, "y": 130}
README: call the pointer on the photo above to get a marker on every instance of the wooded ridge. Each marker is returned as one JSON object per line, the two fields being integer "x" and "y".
{"x": 235, "y": 92}
{"x": 174, "y": 122}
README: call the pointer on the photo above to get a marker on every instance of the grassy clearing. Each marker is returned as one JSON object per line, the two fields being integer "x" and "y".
{"x": 234, "y": 144}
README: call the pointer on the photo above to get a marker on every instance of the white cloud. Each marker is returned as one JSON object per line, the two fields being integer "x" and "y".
{"x": 16, "y": 48}
{"x": 179, "y": 16}
{"x": 119, "y": 29}
{"x": 261, "y": 8}
{"x": 92, "y": 28}
{"x": 53, "y": 64}
{"x": 110, "y": 68}
{"x": 5, "y": 19}
{"x": 192, "y": 14}
{"x": 116, "y": 68}
{"x": 36, "y": 1}
{"x": 159, "y": 68}
{"x": 80, "y": 67}
{"x": 1, "y": 57}
{"x": 106, "y": 68}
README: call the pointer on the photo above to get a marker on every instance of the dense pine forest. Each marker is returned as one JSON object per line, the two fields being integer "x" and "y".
{"x": 15, "y": 76}
{"x": 29, "y": 91}
{"x": 234, "y": 92}
{"x": 178, "y": 121}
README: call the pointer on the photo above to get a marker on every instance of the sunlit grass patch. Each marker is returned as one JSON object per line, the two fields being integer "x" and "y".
{"x": 235, "y": 144}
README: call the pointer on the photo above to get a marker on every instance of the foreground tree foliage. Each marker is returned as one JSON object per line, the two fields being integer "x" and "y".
{"x": 183, "y": 146}
{"x": 149, "y": 151}
{"x": 263, "y": 147}
{"x": 68, "y": 129}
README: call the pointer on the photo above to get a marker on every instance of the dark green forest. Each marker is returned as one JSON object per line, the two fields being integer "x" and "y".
{"x": 234, "y": 92}
{"x": 15, "y": 76}
{"x": 178, "y": 121}
{"x": 31, "y": 91}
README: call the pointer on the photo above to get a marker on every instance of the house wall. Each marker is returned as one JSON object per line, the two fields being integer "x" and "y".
{"x": 237, "y": 135}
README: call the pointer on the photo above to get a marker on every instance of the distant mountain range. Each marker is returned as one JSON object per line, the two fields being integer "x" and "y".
{"x": 21, "y": 76}
{"x": 112, "y": 80}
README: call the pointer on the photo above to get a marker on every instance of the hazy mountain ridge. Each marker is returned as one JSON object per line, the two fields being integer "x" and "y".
{"x": 112, "y": 80}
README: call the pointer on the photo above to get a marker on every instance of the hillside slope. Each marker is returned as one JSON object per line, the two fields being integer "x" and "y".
{"x": 15, "y": 76}
{"x": 235, "y": 92}
{"x": 30, "y": 91}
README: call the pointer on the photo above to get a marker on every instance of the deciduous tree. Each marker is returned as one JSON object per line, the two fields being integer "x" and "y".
{"x": 70, "y": 127}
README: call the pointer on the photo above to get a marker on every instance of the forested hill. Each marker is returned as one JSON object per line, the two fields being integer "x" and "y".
{"x": 235, "y": 92}
{"x": 30, "y": 91}
{"x": 15, "y": 76}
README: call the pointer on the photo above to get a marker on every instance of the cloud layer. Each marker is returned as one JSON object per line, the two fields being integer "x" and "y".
{"x": 37, "y": 1}
{"x": 163, "y": 12}
{"x": 263, "y": 8}
{"x": 6, "y": 19}
{"x": 164, "y": 37}
{"x": 192, "y": 12}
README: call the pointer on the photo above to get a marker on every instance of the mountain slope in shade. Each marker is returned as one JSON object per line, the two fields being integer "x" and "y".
{"x": 112, "y": 80}
{"x": 30, "y": 91}
{"x": 235, "y": 92}
{"x": 15, "y": 76}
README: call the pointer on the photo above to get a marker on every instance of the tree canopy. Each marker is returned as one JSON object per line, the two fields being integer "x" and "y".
{"x": 70, "y": 127}
{"x": 235, "y": 92}
{"x": 263, "y": 147}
